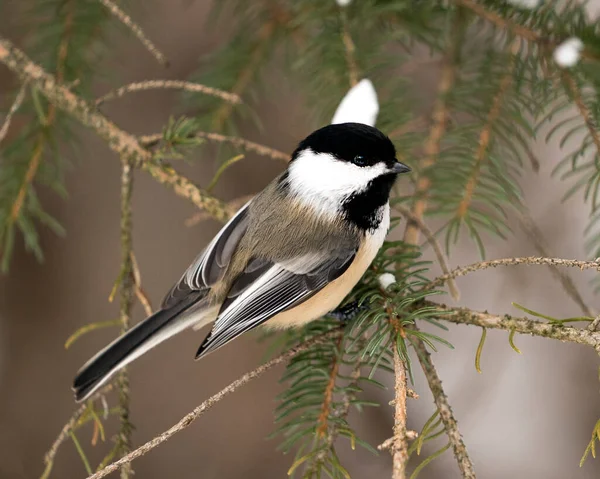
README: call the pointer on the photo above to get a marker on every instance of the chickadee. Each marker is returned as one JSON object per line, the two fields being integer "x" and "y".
{"x": 289, "y": 256}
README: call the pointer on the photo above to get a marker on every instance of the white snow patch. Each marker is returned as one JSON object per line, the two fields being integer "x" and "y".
{"x": 360, "y": 105}
{"x": 567, "y": 54}
{"x": 525, "y": 3}
{"x": 386, "y": 280}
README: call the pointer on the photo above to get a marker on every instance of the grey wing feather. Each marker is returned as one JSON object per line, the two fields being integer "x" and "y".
{"x": 210, "y": 265}
{"x": 253, "y": 300}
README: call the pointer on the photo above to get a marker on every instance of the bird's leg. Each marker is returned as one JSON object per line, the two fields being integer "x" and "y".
{"x": 348, "y": 312}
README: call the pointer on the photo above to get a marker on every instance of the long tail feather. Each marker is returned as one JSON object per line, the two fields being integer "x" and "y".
{"x": 152, "y": 331}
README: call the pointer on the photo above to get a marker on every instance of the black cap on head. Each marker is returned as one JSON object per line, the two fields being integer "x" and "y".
{"x": 347, "y": 140}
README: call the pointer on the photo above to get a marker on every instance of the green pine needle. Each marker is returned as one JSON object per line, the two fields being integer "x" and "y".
{"x": 480, "y": 350}
{"x": 511, "y": 341}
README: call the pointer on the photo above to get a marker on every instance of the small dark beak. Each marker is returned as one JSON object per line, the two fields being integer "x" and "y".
{"x": 398, "y": 167}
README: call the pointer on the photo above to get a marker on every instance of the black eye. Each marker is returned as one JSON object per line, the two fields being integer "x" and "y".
{"x": 360, "y": 160}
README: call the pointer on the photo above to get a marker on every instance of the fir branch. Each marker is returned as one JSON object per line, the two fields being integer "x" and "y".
{"x": 210, "y": 402}
{"x": 519, "y": 325}
{"x": 50, "y": 117}
{"x": 500, "y": 21}
{"x": 587, "y": 173}
{"x": 389, "y": 442}
{"x": 530, "y": 260}
{"x": 32, "y": 168}
{"x": 322, "y": 421}
{"x": 443, "y": 405}
{"x": 349, "y": 48}
{"x": 519, "y": 30}
{"x": 118, "y": 140}
{"x": 437, "y": 249}
{"x": 127, "y": 286}
{"x": 136, "y": 30}
{"x": 61, "y": 97}
{"x": 486, "y": 133}
{"x": 171, "y": 85}
{"x": 399, "y": 449}
{"x": 585, "y": 113}
{"x": 439, "y": 123}
{"x": 264, "y": 36}
{"x": 13, "y": 109}
{"x": 150, "y": 141}
{"x": 349, "y": 392}
{"x": 246, "y": 145}
{"x": 536, "y": 236}
{"x": 67, "y": 428}
{"x": 593, "y": 326}
{"x": 340, "y": 412}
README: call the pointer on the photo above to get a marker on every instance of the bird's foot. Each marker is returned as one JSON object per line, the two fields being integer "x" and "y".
{"x": 348, "y": 312}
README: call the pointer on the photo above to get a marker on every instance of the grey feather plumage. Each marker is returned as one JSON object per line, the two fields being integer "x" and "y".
{"x": 311, "y": 253}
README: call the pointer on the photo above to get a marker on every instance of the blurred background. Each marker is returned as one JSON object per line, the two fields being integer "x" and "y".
{"x": 525, "y": 416}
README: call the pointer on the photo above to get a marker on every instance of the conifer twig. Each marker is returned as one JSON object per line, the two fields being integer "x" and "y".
{"x": 126, "y": 302}
{"x": 519, "y": 325}
{"x": 210, "y": 402}
{"x": 439, "y": 118}
{"x": 575, "y": 93}
{"x": 500, "y": 21}
{"x": 136, "y": 30}
{"x": 485, "y": 135}
{"x": 443, "y": 405}
{"x": 32, "y": 168}
{"x": 340, "y": 412}
{"x": 42, "y": 137}
{"x": 593, "y": 326}
{"x": 150, "y": 141}
{"x": 530, "y": 260}
{"x": 13, "y": 109}
{"x": 349, "y": 48}
{"x": 322, "y": 420}
{"x": 171, "y": 85}
{"x": 399, "y": 449}
{"x": 517, "y": 29}
{"x": 389, "y": 442}
{"x": 59, "y": 95}
{"x": 67, "y": 428}
{"x": 535, "y": 234}
{"x": 118, "y": 140}
{"x": 245, "y": 144}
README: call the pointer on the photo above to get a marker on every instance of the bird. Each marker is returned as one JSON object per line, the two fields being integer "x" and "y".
{"x": 288, "y": 256}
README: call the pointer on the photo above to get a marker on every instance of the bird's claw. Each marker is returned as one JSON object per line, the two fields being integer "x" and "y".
{"x": 348, "y": 312}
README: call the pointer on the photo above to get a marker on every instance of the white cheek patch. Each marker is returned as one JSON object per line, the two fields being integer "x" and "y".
{"x": 324, "y": 182}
